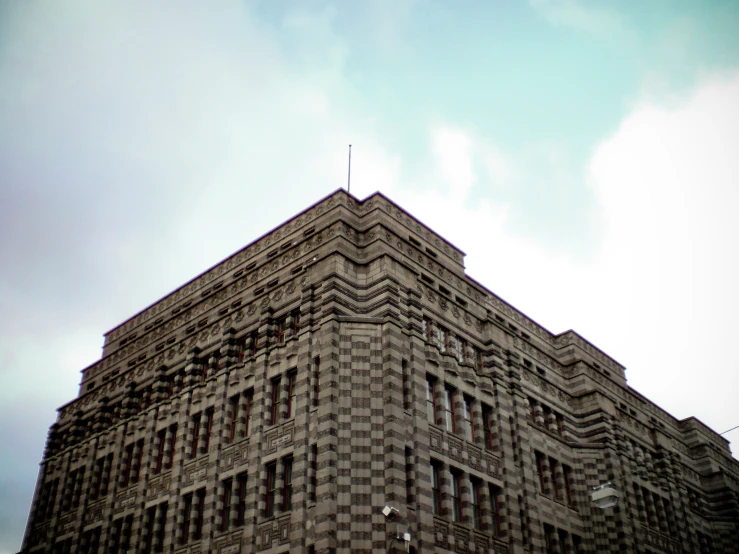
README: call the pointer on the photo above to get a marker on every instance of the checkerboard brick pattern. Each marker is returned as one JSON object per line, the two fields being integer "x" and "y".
{"x": 345, "y": 362}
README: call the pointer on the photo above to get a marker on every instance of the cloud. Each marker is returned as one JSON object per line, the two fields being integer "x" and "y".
{"x": 657, "y": 293}
{"x": 667, "y": 185}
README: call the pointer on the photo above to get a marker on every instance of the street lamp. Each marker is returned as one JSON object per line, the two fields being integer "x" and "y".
{"x": 605, "y": 496}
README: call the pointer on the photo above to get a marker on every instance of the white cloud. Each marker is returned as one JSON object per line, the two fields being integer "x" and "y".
{"x": 667, "y": 181}
{"x": 659, "y": 292}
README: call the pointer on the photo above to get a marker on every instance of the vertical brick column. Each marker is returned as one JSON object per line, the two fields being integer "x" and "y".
{"x": 538, "y": 414}
{"x": 241, "y": 430}
{"x": 465, "y": 494}
{"x": 202, "y": 432}
{"x": 234, "y": 511}
{"x": 326, "y": 507}
{"x": 279, "y": 497}
{"x": 546, "y": 475}
{"x": 160, "y": 516}
{"x": 486, "y": 515}
{"x": 559, "y": 476}
{"x": 479, "y": 436}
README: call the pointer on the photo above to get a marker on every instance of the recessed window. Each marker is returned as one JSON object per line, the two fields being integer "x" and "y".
{"x": 269, "y": 498}
{"x": 251, "y": 266}
{"x": 274, "y": 410}
{"x": 414, "y": 242}
{"x": 456, "y": 495}
{"x": 287, "y": 479}
{"x": 431, "y": 410}
{"x": 291, "y": 377}
{"x": 436, "y": 487}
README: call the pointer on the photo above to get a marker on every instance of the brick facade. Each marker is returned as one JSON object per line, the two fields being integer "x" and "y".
{"x": 345, "y": 362}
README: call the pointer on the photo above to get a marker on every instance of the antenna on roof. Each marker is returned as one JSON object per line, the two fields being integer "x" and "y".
{"x": 349, "y": 177}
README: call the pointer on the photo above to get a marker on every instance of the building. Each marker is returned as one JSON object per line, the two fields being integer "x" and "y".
{"x": 343, "y": 364}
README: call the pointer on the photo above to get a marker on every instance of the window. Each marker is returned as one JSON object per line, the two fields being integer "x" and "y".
{"x": 540, "y": 472}
{"x": 233, "y": 414}
{"x": 313, "y": 473}
{"x": 553, "y": 469}
{"x": 194, "y": 435}
{"x": 226, "y": 503}
{"x": 408, "y": 476}
{"x": 456, "y": 495}
{"x": 291, "y": 394}
{"x": 563, "y": 538}
{"x": 295, "y": 314}
{"x": 242, "y": 347}
{"x": 203, "y": 369}
{"x": 495, "y": 509}
{"x": 576, "y": 544}
{"x": 549, "y": 539}
{"x": 287, "y": 491}
{"x": 316, "y": 373}
{"x": 269, "y": 499}
{"x": 274, "y": 410}
{"x": 185, "y": 528}
{"x": 469, "y": 422}
{"x": 451, "y": 424}
{"x": 208, "y": 426}
{"x": 476, "y": 485}
{"x": 487, "y": 427}
{"x": 247, "y": 415}
{"x": 149, "y": 528}
{"x": 172, "y": 445}
{"x": 431, "y": 399}
{"x": 436, "y": 487}
{"x": 241, "y": 507}
{"x": 406, "y": 386}
{"x": 281, "y": 331}
{"x": 126, "y": 469}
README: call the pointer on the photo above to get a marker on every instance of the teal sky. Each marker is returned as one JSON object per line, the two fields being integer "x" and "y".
{"x": 538, "y": 78}
{"x": 582, "y": 153}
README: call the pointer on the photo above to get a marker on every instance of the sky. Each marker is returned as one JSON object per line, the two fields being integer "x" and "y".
{"x": 582, "y": 153}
